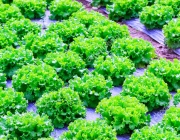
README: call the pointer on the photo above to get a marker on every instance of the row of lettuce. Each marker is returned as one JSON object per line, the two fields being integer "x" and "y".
{"x": 155, "y": 16}
{"x": 46, "y": 63}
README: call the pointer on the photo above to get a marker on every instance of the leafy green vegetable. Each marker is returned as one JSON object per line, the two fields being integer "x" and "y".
{"x": 177, "y": 98}
{"x": 63, "y": 9}
{"x": 124, "y": 113}
{"x": 168, "y": 71}
{"x": 89, "y": 48}
{"x": 66, "y": 64}
{"x": 118, "y": 68}
{"x": 125, "y": 9}
{"x": 62, "y": 107}
{"x": 9, "y": 12}
{"x": 92, "y": 88}
{"x": 7, "y": 38}
{"x": 35, "y": 80}
{"x": 11, "y": 101}
{"x": 25, "y": 126}
{"x": 156, "y": 16}
{"x": 139, "y": 51}
{"x": 31, "y": 8}
{"x": 91, "y": 130}
{"x": 2, "y": 80}
{"x": 172, "y": 34}
{"x": 175, "y": 4}
{"x": 13, "y": 59}
{"x": 154, "y": 133}
{"x": 23, "y": 27}
{"x": 171, "y": 119}
{"x": 88, "y": 17}
{"x": 109, "y": 31}
{"x": 41, "y": 45}
{"x": 149, "y": 90}
{"x": 97, "y": 3}
{"x": 68, "y": 29}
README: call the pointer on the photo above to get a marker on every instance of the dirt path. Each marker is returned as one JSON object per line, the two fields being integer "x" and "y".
{"x": 161, "y": 50}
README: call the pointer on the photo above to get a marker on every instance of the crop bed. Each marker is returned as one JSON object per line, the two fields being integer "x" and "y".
{"x": 68, "y": 72}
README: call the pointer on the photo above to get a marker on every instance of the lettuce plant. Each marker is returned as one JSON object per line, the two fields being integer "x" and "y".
{"x": 63, "y": 9}
{"x": 13, "y": 59}
{"x": 3, "y": 80}
{"x": 89, "y": 48}
{"x": 23, "y": 27}
{"x": 68, "y": 29}
{"x": 167, "y": 70}
{"x": 7, "y": 38}
{"x": 139, "y": 51}
{"x": 176, "y": 100}
{"x": 124, "y": 113}
{"x": 11, "y": 101}
{"x": 41, "y": 45}
{"x": 66, "y": 64}
{"x": 155, "y": 132}
{"x": 125, "y": 9}
{"x": 62, "y": 106}
{"x": 97, "y": 3}
{"x": 109, "y": 31}
{"x": 172, "y": 34}
{"x": 156, "y": 16}
{"x": 35, "y": 80}
{"x": 148, "y": 89}
{"x": 171, "y": 119}
{"x": 118, "y": 68}
{"x": 92, "y": 88}
{"x": 9, "y": 12}
{"x": 31, "y": 8}
{"x": 175, "y": 4}
{"x": 25, "y": 126}
{"x": 88, "y": 17}
{"x": 92, "y": 130}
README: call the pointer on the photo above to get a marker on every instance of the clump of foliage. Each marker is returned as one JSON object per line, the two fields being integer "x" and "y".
{"x": 92, "y": 88}
{"x": 6, "y": 1}
{"x": 118, "y": 68}
{"x": 63, "y": 9}
{"x": 62, "y": 107}
{"x": 89, "y": 48}
{"x": 97, "y": 3}
{"x": 109, "y": 31}
{"x": 11, "y": 101}
{"x": 35, "y": 80}
{"x": 148, "y": 89}
{"x": 7, "y": 38}
{"x": 68, "y": 29}
{"x": 3, "y": 80}
{"x": 154, "y": 132}
{"x": 124, "y": 113}
{"x": 25, "y": 126}
{"x": 172, "y": 34}
{"x": 9, "y": 12}
{"x": 41, "y": 45}
{"x": 175, "y": 4}
{"x": 167, "y": 70}
{"x": 66, "y": 64}
{"x": 151, "y": 2}
{"x": 139, "y": 51}
{"x": 125, "y": 9}
{"x": 92, "y": 130}
{"x": 13, "y": 59}
{"x": 171, "y": 119}
{"x": 88, "y": 17}
{"x": 23, "y": 27}
{"x": 156, "y": 16}
{"x": 176, "y": 100}
{"x": 31, "y": 8}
